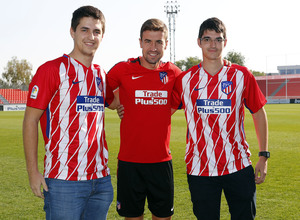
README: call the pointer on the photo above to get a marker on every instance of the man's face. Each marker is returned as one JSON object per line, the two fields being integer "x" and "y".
{"x": 212, "y": 45}
{"x": 153, "y": 44}
{"x": 87, "y": 36}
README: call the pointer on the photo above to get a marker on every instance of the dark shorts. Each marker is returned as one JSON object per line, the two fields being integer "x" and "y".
{"x": 239, "y": 189}
{"x": 138, "y": 181}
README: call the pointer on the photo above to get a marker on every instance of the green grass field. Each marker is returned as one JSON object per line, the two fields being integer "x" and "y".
{"x": 277, "y": 198}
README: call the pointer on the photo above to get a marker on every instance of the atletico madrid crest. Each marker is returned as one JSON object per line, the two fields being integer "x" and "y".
{"x": 99, "y": 83}
{"x": 163, "y": 77}
{"x": 226, "y": 87}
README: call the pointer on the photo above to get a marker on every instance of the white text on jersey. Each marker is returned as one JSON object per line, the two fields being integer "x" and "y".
{"x": 214, "y": 106}
{"x": 90, "y": 104}
{"x": 151, "y": 97}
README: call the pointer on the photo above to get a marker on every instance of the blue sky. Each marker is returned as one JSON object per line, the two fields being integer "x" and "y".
{"x": 266, "y": 32}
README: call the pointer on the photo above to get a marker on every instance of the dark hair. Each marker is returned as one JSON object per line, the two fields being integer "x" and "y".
{"x": 154, "y": 24}
{"x": 87, "y": 11}
{"x": 214, "y": 24}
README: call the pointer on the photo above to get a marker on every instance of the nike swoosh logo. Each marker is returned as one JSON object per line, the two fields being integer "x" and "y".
{"x": 197, "y": 89}
{"x": 76, "y": 82}
{"x": 136, "y": 77}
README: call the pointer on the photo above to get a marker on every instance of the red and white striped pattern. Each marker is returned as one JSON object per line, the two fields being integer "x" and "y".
{"x": 216, "y": 142}
{"x": 75, "y": 142}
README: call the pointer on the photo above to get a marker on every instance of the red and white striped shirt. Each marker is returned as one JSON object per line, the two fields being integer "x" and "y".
{"x": 214, "y": 110}
{"x": 73, "y": 97}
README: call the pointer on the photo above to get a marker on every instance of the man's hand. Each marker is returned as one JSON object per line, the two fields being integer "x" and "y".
{"x": 261, "y": 170}
{"x": 36, "y": 180}
{"x": 227, "y": 63}
{"x": 120, "y": 111}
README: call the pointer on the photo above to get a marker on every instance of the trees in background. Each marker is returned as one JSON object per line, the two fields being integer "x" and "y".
{"x": 232, "y": 56}
{"x": 188, "y": 63}
{"x": 235, "y": 57}
{"x": 257, "y": 73}
{"x": 17, "y": 74}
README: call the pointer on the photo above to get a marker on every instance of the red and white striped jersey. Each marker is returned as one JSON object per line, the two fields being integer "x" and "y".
{"x": 146, "y": 97}
{"x": 214, "y": 111}
{"x": 73, "y": 97}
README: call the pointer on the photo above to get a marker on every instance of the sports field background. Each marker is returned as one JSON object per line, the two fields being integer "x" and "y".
{"x": 277, "y": 198}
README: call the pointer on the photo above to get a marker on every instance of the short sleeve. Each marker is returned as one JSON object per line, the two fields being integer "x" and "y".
{"x": 254, "y": 98}
{"x": 109, "y": 94}
{"x": 113, "y": 75}
{"x": 43, "y": 86}
{"x": 176, "y": 101}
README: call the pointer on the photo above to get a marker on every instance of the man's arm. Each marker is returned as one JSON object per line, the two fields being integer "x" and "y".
{"x": 30, "y": 142}
{"x": 261, "y": 127}
{"x": 116, "y": 102}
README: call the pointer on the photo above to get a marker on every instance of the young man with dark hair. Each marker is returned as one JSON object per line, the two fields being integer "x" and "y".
{"x": 68, "y": 97}
{"x": 217, "y": 154}
{"x": 145, "y": 166}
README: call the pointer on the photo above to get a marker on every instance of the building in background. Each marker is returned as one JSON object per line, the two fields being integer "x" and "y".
{"x": 288, "y": 70}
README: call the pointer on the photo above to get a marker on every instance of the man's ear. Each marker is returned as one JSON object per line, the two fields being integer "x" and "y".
{"x": 199, "y": 42}
{"x": 166, "y": 44}
{"x": 72, "y": 32}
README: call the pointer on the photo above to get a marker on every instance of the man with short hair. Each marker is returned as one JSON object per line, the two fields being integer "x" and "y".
{"x": 217, "y": 154}
{"x": 68, "y": 97}
{"x": 145, "y": 166}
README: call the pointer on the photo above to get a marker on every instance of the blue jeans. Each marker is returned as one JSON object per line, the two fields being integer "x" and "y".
{"x": 72, "y": 200}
